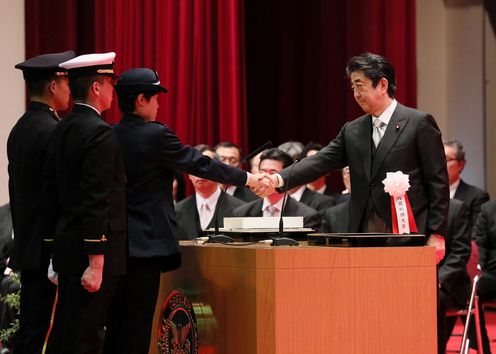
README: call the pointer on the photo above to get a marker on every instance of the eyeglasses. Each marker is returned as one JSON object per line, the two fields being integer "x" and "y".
{"x": 111, "y": 80}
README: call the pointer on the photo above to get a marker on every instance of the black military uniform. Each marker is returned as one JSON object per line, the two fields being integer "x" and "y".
{"x": 151, "y": 152}
{"x": 85, "y": 177}
{"x": 26, "y": 149}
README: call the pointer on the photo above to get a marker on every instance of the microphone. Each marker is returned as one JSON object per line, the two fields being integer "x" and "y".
{"x": 280, "y": 240}
{"x": 216, "y": 237}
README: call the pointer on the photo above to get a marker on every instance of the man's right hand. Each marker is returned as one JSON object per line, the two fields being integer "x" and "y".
{"x": 92, "y": 276}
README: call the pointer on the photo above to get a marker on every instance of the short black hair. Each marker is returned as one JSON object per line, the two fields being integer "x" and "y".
{"x": 227, "y": 144}
{"x": 375, "y": 67}
{"x": 278, "y": 155}
{"x": 458, "y": 147}
{"x": 80, "y": 85}
{"x": 37, "y": 87}
{"x": 126, "y": 102}
{"x": 310, "y": 146}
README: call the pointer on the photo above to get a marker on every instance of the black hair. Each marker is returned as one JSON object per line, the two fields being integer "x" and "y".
{"x": 37, "y": 87}
{"x": 310, "y": 146}
{"x": 375, "y": 67}
{"x": 81, "y": 84}
{"x": 278, "y": 155}
{"x": 458, "y": 147}
{"x": 227, "y": 144}
{"x": 126, "y": 102}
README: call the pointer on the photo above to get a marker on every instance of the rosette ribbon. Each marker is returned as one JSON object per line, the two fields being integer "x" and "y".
{"x": 396, "y": 185}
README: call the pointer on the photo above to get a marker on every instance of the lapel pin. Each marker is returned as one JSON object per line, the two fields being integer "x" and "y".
{"x": 397, "y": 127}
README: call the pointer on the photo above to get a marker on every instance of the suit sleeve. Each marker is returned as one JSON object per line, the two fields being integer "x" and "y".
{"x": 330, "y": 158}
{"x": 100, "y": 153}
{"x": 185, "y": 158}
{"x": 459, "y": 238}
{"x": 476, "y": 206}
{"x": 435, "y": 176}
{"x": 481, "y": 235}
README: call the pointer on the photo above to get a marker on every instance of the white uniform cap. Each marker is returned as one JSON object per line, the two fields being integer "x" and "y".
{"x": 90, "y": 64}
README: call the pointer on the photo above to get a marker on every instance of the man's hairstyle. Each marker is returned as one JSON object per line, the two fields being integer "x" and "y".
{"x": 36, "y": 88}
{"x": 126, "y": 102}
{"x": 204, "y": 147}
{"x": 292, "y": 148}
{"x": 80, "y": 86}
{"x": 310, "y": 146}
{"x": 458, "y": 147}
{"x": 375, "y": 67}
{"x": 228, "y": 145}
{"x": 278, "y": 155}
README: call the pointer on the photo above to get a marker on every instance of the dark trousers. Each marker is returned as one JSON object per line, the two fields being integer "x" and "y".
{"x": 131, "y": 313}
{"x": 36, "y": 303}
{"x": 80, "y": 316}
{"x": 486, "y": 290}
{"x": 445, "y": 324}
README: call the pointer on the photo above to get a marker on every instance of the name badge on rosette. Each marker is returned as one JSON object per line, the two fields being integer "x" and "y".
{"x": 396, "y": 185}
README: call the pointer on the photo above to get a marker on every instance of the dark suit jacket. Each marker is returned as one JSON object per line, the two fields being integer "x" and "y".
{"x": 26, "y": 149}
{"x": 189, "y": 220}
{"x": 452, "y": 271}
{"x": 411, "y": 144}
{"x": 484, "y": 234}
{"x": 311, "y": 218}
{"x": 473, "y": 198}
{"x": 317, "y": 201}
{"x": 245, "y": 194}
{"x": 336, "y": 218}
{"x": 85, "y": 193}
{"x": 151, "y": 152}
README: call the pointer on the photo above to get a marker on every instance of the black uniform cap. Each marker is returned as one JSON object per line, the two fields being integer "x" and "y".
{"x": 45, "y": 66}
{"x": 138, "y": 80}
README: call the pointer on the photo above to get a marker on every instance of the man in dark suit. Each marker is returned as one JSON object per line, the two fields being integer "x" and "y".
{"x": 472, "y": 196}
{"x": 336, "y": 218}
{"x": 151, "y": 153}
{"x": 314, "y": 200}
{"x": 49, "y": 91}
{"x": 389, "y": 138}
{"x": 197, "y": 212}
{"x": 452, "y": 271}
{"x": 484, "y": 234}
{"x": 272, "y": 161}
{"x": 85, "y": 213}
{"x": 230, "y": 154}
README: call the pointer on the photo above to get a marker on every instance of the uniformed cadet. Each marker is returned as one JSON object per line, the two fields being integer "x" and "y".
{"x": 151, "y": 153}
{"x": 85, "y": 177}
{"x": 27, "y": 144}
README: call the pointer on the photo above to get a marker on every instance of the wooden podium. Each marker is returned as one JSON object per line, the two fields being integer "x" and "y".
{"x": 311, "y": 300}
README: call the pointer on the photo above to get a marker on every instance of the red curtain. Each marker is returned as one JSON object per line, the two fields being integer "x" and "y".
{"x": 196, "y": 46}
{"x": 296, "y": 58}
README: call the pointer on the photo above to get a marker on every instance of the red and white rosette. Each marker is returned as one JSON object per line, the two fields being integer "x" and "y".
{"x": 396, "y": 184}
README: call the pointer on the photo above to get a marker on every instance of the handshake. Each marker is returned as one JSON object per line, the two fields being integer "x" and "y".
{"x": 262, "y": 184}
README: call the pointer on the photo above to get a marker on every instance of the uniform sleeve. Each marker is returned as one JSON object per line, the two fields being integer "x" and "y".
{"x": 185, "y": 158}
{"x": 97, "y": 171}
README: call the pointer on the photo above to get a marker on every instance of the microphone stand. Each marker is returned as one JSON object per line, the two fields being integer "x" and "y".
{"x": 280, "y": 240}
{"x": 220, "y": 238}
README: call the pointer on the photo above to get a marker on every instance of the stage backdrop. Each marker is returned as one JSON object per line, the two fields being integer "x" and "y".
{"x": 244, "y": 71}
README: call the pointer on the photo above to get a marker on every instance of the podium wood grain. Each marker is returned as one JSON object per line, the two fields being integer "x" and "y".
{"x": 262, "y": 299}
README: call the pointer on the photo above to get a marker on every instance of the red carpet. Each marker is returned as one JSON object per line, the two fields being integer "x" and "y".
{"x": 454, "y": 342}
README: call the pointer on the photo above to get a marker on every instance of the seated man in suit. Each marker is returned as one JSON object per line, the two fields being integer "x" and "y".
{"x": 272, "y": 161}
{"x": 336, "y": 218}
{"x": 452, "y": 271}
{"x": 230, "y": 154}
{"x": 484, "y": 234}
{"x": 196, "y": 213}
{"x": 472, "y": 196}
